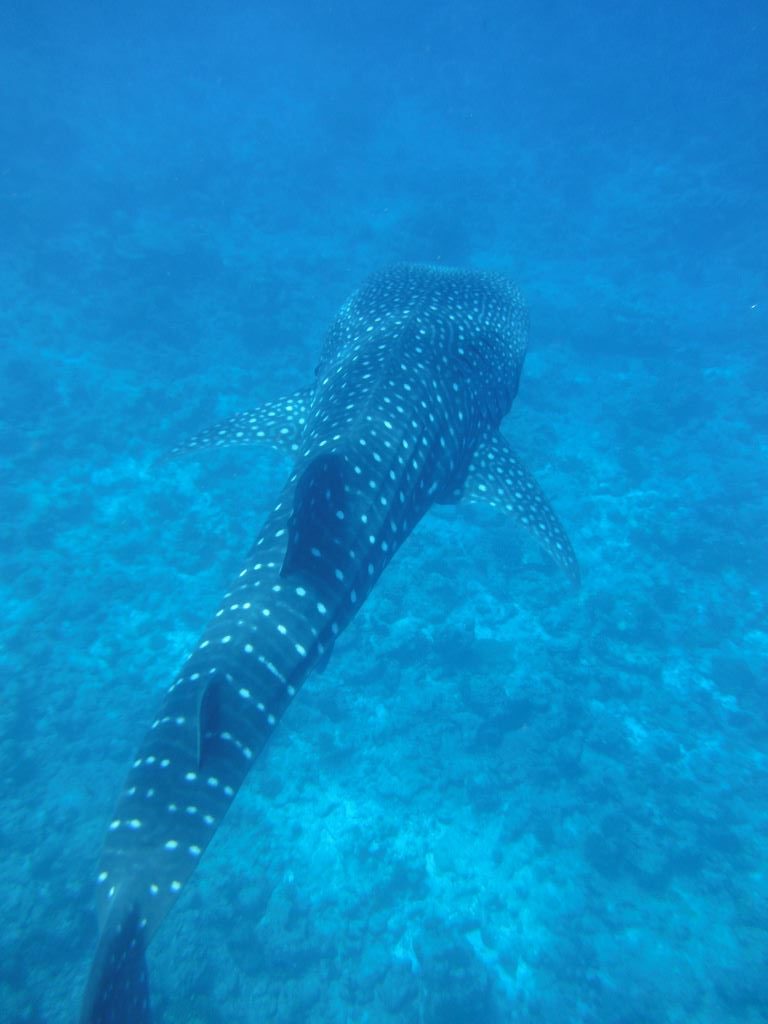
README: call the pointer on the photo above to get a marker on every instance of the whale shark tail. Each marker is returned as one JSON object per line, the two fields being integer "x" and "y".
{"x": 118, "y": 986}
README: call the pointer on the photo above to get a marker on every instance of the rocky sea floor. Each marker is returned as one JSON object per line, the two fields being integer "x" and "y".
{"x": 502, "y": 800}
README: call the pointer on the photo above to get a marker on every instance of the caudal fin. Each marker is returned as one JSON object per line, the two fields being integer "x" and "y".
{"x": 118, "y": 987}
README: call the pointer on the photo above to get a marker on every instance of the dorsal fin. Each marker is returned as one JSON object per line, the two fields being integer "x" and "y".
{"x": 319, "y": 521}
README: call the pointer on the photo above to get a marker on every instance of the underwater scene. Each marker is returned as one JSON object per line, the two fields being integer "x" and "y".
{"x": 525, "y": 780}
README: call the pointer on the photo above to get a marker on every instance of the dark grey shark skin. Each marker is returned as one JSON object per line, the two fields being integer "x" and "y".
{"x": 417, "y": 372}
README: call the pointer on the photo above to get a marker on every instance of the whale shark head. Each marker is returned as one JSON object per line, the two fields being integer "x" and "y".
{"x": 419, "y": 365}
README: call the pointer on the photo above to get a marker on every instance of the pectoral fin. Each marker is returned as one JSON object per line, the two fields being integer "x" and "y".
{"x": 279, "y": 424}
{"x": 498, "y": 478}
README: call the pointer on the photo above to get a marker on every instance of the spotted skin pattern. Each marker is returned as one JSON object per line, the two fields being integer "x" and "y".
{"x": 417, "y": 371}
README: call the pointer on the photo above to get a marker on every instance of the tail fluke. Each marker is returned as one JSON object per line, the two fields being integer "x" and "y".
{"x": 118, "y": 987}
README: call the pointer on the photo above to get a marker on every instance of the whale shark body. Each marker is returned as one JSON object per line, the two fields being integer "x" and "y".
{"x": 416, "y": 373}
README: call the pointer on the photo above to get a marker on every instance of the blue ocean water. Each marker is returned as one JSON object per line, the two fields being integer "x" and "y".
{"x": 502, "y": 801}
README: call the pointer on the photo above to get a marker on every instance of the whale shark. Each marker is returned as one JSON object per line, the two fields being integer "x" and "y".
{"x": 417, "y": 371}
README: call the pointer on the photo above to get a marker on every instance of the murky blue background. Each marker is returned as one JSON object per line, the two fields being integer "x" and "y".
{"x": 502, "y": 802}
